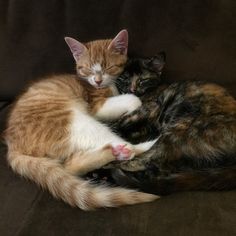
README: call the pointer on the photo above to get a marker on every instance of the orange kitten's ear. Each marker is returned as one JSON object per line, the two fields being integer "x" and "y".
{"x": 120, "y": 42}
{"x": 76, "y": 47}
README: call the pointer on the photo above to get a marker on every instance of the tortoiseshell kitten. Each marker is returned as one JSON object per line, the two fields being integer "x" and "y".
{"x": 195, "y": 123}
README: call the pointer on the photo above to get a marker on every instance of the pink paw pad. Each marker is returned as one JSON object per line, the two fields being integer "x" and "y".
{"x": 121, "y": 152}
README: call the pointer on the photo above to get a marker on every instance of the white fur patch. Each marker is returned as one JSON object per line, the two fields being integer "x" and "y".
{"x": 89, "y": 134}
{"x": 91, "y": 80}
{"x": 115, "y": 107}
{"x": 97, "y": 67}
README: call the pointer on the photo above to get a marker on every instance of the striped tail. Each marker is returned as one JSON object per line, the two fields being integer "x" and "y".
{"x": 75, "y": 191}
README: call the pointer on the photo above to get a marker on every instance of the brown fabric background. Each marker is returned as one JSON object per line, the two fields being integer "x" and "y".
{"x": 199, "y": 37}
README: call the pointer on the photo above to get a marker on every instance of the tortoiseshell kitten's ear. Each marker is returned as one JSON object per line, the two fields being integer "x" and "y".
{"x": 141, "y": 75}
{"x": 156, "y": 63}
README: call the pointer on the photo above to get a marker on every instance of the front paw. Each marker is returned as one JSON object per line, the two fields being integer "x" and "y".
{"x": 133, "y": 103}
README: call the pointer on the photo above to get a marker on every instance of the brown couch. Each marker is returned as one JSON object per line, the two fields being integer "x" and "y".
{"x": 199, "y": 37}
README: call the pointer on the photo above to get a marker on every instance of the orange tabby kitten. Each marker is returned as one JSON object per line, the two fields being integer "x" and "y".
{"x": 53, "y": 132}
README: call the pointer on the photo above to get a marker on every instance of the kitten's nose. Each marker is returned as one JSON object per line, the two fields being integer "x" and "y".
{"x": 98, "y": 82}
{"x": 98, "y": 79}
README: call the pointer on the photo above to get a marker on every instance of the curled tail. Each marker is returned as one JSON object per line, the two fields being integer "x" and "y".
{"x": 51, "y": 175}
{"x": 214, "y": 179}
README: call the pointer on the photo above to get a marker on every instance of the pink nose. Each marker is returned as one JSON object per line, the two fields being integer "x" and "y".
{"x": 98, "y": 82}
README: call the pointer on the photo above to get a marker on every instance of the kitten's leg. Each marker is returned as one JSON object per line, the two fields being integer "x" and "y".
{"x": 147, "y": 112}
{"x": 82, "y": 163}
{"x": 115, "y": 107}
{"x": 88, "y": 134}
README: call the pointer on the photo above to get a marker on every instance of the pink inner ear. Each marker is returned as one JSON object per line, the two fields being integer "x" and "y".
{"x": 120, "y": 42}
{"x": 76, "y": 47}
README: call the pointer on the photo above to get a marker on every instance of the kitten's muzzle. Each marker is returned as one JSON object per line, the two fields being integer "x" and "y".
{"x": 98, "y": 79}
{"x": 98, "y": 82}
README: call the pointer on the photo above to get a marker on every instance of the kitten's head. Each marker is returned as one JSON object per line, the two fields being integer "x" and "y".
{"x": 100, "y": 62}
{"x": 141, "y": 75}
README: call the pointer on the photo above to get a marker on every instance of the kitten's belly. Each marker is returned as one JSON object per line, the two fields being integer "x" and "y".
{"x": 86, "y": 133}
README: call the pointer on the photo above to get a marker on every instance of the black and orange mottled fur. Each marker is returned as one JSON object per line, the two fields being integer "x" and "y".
{"x": 195, "y": 123}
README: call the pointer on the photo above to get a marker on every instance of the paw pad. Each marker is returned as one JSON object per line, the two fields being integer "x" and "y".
{"x": 122, "y": 152}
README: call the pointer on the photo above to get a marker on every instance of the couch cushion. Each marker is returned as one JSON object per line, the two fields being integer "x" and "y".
{"x": 192, "y": 214}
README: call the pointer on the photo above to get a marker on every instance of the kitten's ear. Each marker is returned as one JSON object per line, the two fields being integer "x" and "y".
{"x": 120, "y": 43}
{"x": 76, "y": 47}
{"x": 157, "y": 62}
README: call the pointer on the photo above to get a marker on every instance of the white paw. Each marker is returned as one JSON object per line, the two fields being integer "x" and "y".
{"x": 133, "y": 103}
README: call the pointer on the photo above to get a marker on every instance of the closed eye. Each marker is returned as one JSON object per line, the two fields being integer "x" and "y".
{"x": 85, "y": 70}
{"x": 111, "y": 67}
{"x": 115, "y": 66}
{"x": 114, "y": 70}
{"x": 144, "y": 80}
